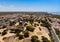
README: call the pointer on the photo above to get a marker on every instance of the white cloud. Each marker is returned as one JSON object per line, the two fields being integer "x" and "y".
{"x": 20, "y": 8}
{"x": 15, "y": 8}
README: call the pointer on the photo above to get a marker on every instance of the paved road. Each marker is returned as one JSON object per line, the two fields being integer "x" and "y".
{"x": 55, "y": 37}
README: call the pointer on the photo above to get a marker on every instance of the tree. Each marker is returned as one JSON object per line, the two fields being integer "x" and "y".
{"x": 12, "y": 23}
{"x": 31, "y": 20}
{"x": 45, "y": 39}
{"x": 39, "y": 28}
{"x": 26, "y": 34}
{"x": 30, "y": 28}
{"x": 17, "y": 31}
{"x": 20, "y": 23}
{"x": 57, "y": 32}
{"x": 25, "y": 24}
{"x": 34, "y": 38}
{"x": 4, "y": 38}
{"x": 4, "y": 32}
{"x": 21, "y": 37}
{"x": 45, "y": 24}
{"x": 4, "y": 26}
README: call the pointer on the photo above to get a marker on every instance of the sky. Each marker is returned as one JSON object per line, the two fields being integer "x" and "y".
{"x": 30, "y": 5}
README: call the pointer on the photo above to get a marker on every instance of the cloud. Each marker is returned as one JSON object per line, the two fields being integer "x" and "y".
{"x": 8, "y": 8}
{"x": 22, "y": 8}
{"x": 12, "y": 8}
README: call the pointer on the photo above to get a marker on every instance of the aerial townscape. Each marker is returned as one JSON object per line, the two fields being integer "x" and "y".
{"x": 29, "y": 27}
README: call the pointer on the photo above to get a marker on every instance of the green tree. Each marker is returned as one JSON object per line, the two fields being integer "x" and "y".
{"x": 45, "y": 39}
{"x": 20, "y": 36}
{"x": 30, "y": 28}
{"x": 26, "y": 34}
{"x": 34, "y": 38}
{"x": 4, "y": 32}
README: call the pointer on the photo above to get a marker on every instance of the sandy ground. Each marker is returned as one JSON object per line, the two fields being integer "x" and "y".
{"x": 43, "y": 32}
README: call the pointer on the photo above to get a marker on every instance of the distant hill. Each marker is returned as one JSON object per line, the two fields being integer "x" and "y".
{"x": 36, "y": 13}
{"x": 56, "y": 13}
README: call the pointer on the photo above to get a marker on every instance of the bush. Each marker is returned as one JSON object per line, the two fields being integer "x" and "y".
{"x": 25, "y": 24}
{"x": 0, "y": 32}
{"x": 45, "y": 39}
{"x": 12, "y": 23}
{"x": 45, "y": 24}
{"x": 17, "y": 31}
{"x": 39, "y": 28}
{"x": 34, "y": 39}
{"x": 26, "y": 34}
{"x": 57, "y": 32}
{"x": 4, "y": 38}
{"x": 20, "y": 37}
{"x": 37, "y": 40}
{"x": 4, "y": 26}
{"x": 30, "y": 28}
{"x": 4, "y": 32}
{"x": 38, "y": 20}
{"x": 20, "y": 23}
{"x": 31, "y": 20}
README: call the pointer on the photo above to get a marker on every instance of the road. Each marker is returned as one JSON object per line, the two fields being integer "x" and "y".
{"x": 55, "y": 37}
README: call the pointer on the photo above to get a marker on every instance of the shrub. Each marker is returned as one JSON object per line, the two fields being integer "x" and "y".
{"x": 20, "y": 23}
{"x": 57, "y": 32}
{"x": 0, "y": 32}
{"x": 17, "y": 31}
{"x": 12, "y": 23}
{"x": 30, "y": 28}
{"x": 26, "y": 34}
{"x": 39, "y": 28}
{"x": 31, "y": 20}
{"x": 4, "y": 38}
{"x": 45, "y": 23}
{"x": 37, "y": 40}
{"x": 25, "y": 24}
{"x": 4, "y": 32}
{"x": 45, "y": 39}
{"x": 20, "y": 37}
{"x": 38, "y": 20}
{"x": 34, "y": 38}
{"x": 4, "y": 26}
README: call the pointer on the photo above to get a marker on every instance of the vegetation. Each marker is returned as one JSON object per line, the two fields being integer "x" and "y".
{"x": 45, "y": 39}
{"x": 38, "y": 20}
{"x": 21, "y": 37}
{"x": 17, "y": 31}
{"x": 4, "y": 38}
{"x": 26, "y": 34}
{"x": 45, "y": 23}
{"x": 4, "y": 32}
{"x": 31, "y": 20}
{"x": 25, "y": 24}
{"x": 34, "y": 38}
{"x": 30, "y": 28}
{"x": 20, "y": 23}
{"x": 57, "y": 32}
{"x": 39, "y": 28}
{"x": 12, "y": 23}
{"x": 4, "y": 26}
{"x": 52, "y": 40}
